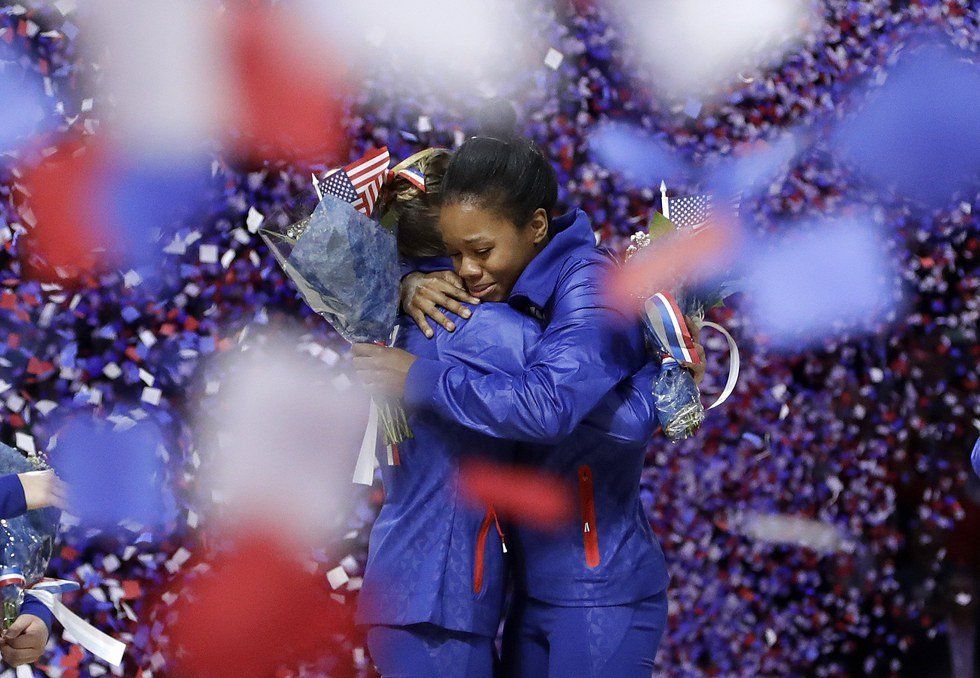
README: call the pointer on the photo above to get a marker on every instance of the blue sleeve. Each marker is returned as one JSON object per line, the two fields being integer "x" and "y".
{"x": 424, "y": 265}
{"x": 12, "y": 500}
{"x": 586, "y": 350}
{"x": 35, "y": 607}
{"x": 628, "y": 413}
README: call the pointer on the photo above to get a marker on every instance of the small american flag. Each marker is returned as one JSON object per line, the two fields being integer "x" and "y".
{"x": 690, "y": 211}
{"x": 359, "y": 183}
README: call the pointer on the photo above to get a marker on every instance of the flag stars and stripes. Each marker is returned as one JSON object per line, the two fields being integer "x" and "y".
{"x": 690, "y": 211}
{"x": 359, "y": 183}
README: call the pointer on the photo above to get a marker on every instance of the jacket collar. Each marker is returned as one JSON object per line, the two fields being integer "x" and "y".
{"x": 567, "y": 234}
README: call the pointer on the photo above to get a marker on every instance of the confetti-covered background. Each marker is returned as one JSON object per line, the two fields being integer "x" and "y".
{"x": 864, "y": 432}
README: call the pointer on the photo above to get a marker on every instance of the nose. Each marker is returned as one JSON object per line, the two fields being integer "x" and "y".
{"x": 469, "y": 270}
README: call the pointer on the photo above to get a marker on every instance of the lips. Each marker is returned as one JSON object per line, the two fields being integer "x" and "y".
{"x": 481, "y": 291}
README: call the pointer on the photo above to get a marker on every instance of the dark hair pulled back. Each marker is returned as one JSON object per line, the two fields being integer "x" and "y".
{"x": 500, "y": 170}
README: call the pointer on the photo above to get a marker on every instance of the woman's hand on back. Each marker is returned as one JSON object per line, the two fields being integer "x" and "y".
{"x": 422, "y": 295}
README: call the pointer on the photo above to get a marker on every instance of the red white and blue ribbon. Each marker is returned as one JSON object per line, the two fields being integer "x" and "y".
{"x": 12, "y": 577}
{"x": 412, "y": 175}
{"x": 668, "y": 327}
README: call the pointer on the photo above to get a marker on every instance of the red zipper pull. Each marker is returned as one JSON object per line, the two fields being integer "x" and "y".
{"x": 503, "y": 542}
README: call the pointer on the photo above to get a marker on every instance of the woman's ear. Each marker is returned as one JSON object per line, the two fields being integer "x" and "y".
{"x": 539, "y": 226}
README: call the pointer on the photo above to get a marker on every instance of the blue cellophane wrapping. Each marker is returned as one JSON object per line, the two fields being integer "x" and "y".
{"x": 678, "y": 401}
{"x": 28, "y": 540}
{"x": 346, "y": 266}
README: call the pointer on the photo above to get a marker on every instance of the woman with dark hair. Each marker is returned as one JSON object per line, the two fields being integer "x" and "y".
{"x": 591, "y": 598}
{"x": 434, "y": 582}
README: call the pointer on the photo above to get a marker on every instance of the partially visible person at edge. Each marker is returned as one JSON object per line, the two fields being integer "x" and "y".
{"x": 25, "y": 640}
{"x": 434, "y": 583}
{"x": 591, "y": 598}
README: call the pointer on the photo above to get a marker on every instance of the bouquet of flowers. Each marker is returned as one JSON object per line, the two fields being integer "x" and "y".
{"x": 345, "y": 265}
{"x": 28, "y": 540}
{"x": 665, "y": 317}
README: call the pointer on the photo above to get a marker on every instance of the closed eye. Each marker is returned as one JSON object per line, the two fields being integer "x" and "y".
{"x": 484, "y": 252}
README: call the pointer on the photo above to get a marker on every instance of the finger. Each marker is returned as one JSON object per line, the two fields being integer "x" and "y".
{"x": 59, "y": 498}
{"x": 17, "y": 657}
{"x": 25, "y": 641}
{"x": 451, "y": 277}
{"x": 457, "y": 308}
{"x": 420, "y": 320}
{"x": 439, "y": 317}
{"x": 456, "y": 291}
{"x": 446, "y": 298}
{"x": 18, "y": 627}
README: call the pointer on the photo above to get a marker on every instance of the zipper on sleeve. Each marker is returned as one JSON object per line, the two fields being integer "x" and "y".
{"x": 590, "y": 531}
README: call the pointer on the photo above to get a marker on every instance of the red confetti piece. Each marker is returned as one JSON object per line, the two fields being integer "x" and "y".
{"x": 671, "y": 258}
{"x": 255, "y": 610}
{"x": 518, "y": 494}
{"x": 69, "y": 205}
{"x": 131, "y": 589}
{"x": 291, "y": 99}
{"x": 38, "y": 367}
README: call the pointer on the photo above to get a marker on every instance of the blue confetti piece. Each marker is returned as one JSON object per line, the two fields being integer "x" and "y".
{"x": 633, "y": 152}
{"x": 920, "y": 132}
{"x": 112, "y": 475}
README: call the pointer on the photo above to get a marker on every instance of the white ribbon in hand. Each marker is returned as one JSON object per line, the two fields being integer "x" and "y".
{"x": 733, "y": 364}
{"x": 102, "y": 645}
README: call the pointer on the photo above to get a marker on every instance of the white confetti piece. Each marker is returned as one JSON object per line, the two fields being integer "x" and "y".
{"x": 112, "y": 370}
{"x": 15, "y": 403}
{"x": 25, "y": 442}
{"x": 337, "y": 577}
{"x": 254, "y": 219}
{"x": 424, "y": 124}
{"x": 132, "y": 278}
{"x": 110, "y": 563}
{"x": 208, "y": 254}
{"x": 349, "y": 563}
{"x": 45, "y": 406}
{"x": 151, "y": 395}
{"x": 553, "y": 58}
{"x": 148, "y": 338}
{"x": 146, "y": 377}
{"x": 227, "y": 258}
{"x": 178, "y": 559}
